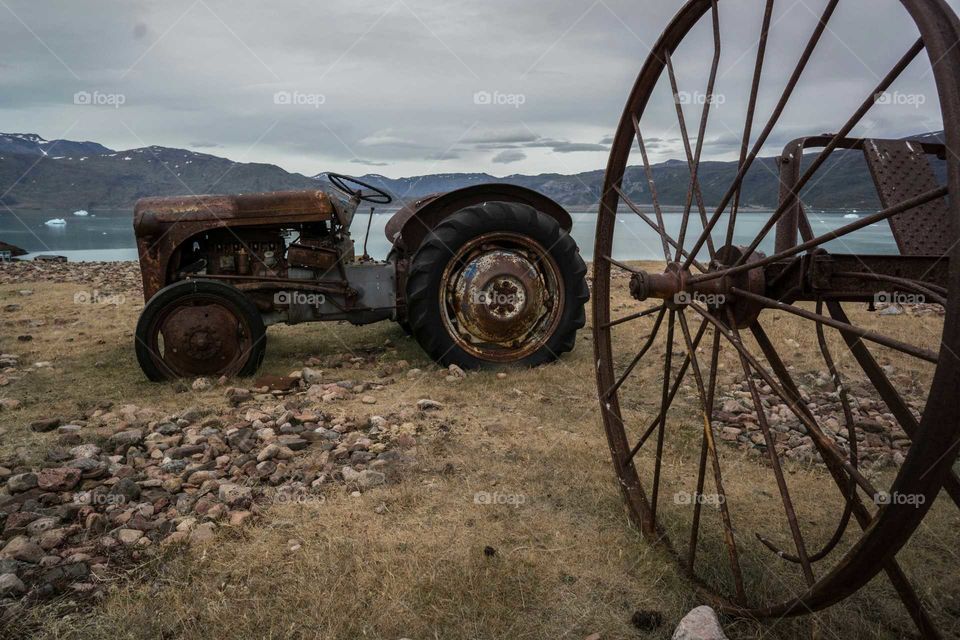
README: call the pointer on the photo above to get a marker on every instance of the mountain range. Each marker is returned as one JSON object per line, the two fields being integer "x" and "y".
{"x": 66, "y": 175}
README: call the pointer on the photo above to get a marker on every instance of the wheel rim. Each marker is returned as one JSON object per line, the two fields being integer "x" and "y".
{"x": 935, "y": 434}
{"x": 501, "y": 297}
{"x": 199, "y": 335}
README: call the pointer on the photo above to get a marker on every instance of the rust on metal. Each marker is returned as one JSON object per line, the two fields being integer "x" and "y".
{"x": 733, "y": 292}
{"x": 411, "y": 224}
{"x": 502, "y": 297}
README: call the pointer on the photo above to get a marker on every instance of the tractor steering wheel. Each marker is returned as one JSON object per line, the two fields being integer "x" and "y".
{"x": 376, "y": 196}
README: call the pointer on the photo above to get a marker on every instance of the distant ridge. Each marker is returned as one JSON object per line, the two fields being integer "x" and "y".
{"x": 66, "y": 175}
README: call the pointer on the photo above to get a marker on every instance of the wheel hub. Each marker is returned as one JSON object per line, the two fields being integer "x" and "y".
{"x": 678, "y": 287}
{"x": 498, "y": 296}
{"x": 200, "y": 339}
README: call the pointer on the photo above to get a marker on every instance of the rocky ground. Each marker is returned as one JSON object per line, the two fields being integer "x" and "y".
{"x": 174, "y": 479}
{"x": 108, "y": 276}
{"x": 357, "y": 490}
{"x": 880, "y": 440}
{"x": 124, "y": 481}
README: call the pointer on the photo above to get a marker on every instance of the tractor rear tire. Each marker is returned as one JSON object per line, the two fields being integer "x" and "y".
{"x": 494, "y": 284}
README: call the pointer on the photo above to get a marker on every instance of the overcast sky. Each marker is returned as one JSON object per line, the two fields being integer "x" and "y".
{"x": 406, "y": 87}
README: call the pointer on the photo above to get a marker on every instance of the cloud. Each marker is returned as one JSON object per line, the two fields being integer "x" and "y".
{"x": 386, "y": 138}
{"x": 503, "y": 137}
{"x": 204, "y": 145}
{"x": 573, "y": 147}
{"x": 449, "y": 154}
{"x": 564, "y": 146}
{"x": 509, "y": 156}
{"x": 369, "y": 163}
{"x": 409, "y": 94}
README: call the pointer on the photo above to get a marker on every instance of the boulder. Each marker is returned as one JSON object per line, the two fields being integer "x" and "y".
{"x": 700, "y": 624}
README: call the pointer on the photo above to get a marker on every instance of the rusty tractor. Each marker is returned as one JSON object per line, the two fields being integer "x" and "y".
{"x": 482, "y": 276}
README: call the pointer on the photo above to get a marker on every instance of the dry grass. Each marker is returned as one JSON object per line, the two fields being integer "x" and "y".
{"x": 567, "y": 563}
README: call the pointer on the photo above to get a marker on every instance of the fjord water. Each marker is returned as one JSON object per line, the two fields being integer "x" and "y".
{"x": 108, "y": 235}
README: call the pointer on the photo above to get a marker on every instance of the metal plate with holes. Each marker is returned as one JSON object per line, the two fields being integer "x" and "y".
{"x": 901, "y": 171}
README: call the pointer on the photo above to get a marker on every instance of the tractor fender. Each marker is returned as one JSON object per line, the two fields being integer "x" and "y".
{"x": 411, "y": 224}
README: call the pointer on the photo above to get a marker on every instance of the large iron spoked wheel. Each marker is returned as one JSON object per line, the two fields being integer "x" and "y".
{"x": 199, "y": 328}
{"x": 498, "y": 283}
{"x": 704, "y": 318}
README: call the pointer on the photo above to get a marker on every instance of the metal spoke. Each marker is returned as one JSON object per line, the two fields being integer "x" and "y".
{"x": 658, "y": 462}
{"x": 702, "y": 468}
{"x": 774, "y": 458}
{"x": 693, "y": 159}
{"x": 841, "y": 390}
{"x": 888, "y": 392}
{"x": 906, "y": 205}
{"x": 771, "y": 122}
{"x": 715, "y": 460}
{"x": 673, "y": 392}
{"x": 864, "y": 519}
{"x": 827, "y": 448}
{"x": 865, "y": 334}
{"x": 648, "y": 170}
{"x": 621, "y": 265}
{"x": 751, "y": 111}
{"x": 632, "y": 316}
{"x": 658, "y": 228}
{"x": 867, "y": 104}
{"x": 640, "y": 354}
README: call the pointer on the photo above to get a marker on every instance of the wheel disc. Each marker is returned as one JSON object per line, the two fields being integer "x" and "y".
{"x": 501, "y": 297}
{"x": 200, "y": 335}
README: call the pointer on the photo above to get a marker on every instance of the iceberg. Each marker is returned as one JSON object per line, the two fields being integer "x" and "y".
{"x": 55, "y": 222}
{"x": 81, "y": 212}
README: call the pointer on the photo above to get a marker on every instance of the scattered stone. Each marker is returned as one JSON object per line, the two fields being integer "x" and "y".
{"x": 700, "y": 624}
{"x": 368, "y": 400}
{"x": 86, "y": 451}
{"x": 201, "y": 384}
{"x": 23, "y": 549}
{"x": 239, "y": 518}
{"x": 126, "y": 489}
{"x": 125, "y": 439}
{"x": 129, "y": 536}
{"x": 425, "y": 404}
{"x": 311, "y": 376}
{"x": 59, "y": 479}
{"x": 369, "y": 479}
{"x": 45, "y": 425}
{"x": 22, "y": 482}
{"x": 235, "y": 496}
{"x": 203, "y": 533}
{"x": 237, "y": 396}
{"x": 11, "y": 585}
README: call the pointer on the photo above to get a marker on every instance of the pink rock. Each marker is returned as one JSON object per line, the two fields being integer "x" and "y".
{"x": 59, "y": 479}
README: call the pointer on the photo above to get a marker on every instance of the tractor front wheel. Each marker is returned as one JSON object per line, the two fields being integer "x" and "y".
{"x": 199, "y": 328}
